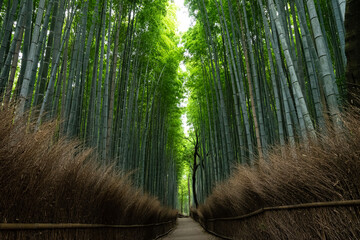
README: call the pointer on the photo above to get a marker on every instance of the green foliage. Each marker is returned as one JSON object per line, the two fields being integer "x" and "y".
{"x": 236, "y": 46}
{"x": 144, "y": 84}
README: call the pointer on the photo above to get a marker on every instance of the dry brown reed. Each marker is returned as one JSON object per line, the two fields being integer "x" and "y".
{"x": 323, "y": 171}
{"x": 47, "y": 181}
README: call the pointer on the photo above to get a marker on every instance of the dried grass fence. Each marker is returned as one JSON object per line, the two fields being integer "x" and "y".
{"x": 233, "y": 227}
{"x": 48, "y": 181}
{"x": 312, "y": 192}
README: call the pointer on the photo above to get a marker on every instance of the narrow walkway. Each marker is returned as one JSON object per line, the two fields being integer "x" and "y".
{"x": 188, "y": 229}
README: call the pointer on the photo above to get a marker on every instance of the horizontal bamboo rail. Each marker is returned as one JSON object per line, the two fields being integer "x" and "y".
{"x": 38, "y": 226}
{"x": 290, "y": 207}
{"x": 277, "y": 208}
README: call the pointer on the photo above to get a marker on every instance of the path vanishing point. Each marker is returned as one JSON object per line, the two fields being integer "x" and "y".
{"x": 188, "y": 229}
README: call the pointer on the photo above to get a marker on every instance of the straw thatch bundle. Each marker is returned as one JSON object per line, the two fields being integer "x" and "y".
{"x": 47, "y": 181}
{"x": 325, "y": 170}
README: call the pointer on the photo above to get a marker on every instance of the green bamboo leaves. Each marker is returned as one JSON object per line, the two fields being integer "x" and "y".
{"x": 273, "y": 66}
{"x": 108, "y": 71}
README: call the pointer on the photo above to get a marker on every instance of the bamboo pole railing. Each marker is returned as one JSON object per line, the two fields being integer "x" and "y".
{"x": 343, "y": 203}
{"x": 290, "y": 207}
{"x": 42, "y": 226}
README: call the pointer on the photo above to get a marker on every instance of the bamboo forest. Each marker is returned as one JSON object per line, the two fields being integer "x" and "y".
{"x": 128, "y": 119}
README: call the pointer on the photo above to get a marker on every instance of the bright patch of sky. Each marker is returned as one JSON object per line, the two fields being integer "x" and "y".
{"x": 183, "y": 16}
{"x": 184, "y": 119}
{"x": 185, "y": 22}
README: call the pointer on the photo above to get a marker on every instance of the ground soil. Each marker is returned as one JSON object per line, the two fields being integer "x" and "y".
{"x": 187, "y": 229}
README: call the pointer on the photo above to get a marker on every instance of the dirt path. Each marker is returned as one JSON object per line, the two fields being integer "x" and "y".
{"x": 188, "y": 229}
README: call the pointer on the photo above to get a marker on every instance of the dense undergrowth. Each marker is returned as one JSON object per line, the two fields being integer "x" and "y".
{"x": 47, "y": 181}
{"x": 320, "y": 172}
